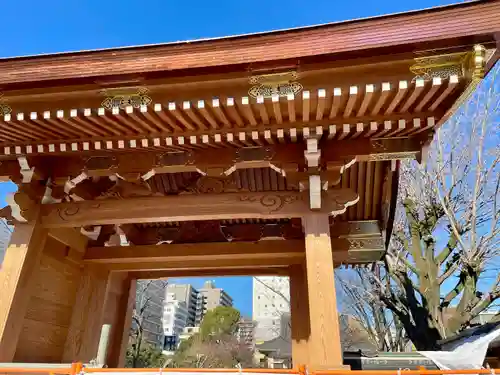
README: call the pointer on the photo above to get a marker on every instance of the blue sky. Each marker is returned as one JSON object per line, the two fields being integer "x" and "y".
{"x": 36, "y": 27}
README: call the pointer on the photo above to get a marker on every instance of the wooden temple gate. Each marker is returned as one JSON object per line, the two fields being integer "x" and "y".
{"x": 269, "y": 154}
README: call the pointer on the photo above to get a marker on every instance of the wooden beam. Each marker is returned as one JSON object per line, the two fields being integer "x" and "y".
{"x": 70, "y": 237}
{"x": 22, "y": 259}
{"x": 186, "y": 253}
{"x": 106, "y": 163}
{"x": 324, "y": 341}
{"x": 268, "y": 205}
{"x": 250, "y": 271}
{"x": 201, "y": 265}
{"x": 230, "y": 255}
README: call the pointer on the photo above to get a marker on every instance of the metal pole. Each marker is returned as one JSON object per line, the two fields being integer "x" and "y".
{"x": 102, "y": 350}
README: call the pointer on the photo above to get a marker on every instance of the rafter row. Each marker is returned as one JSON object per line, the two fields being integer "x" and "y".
{"x": 215, "y": 162}
{"x": 354, "y": 105}
{"x": 373, "y": 129}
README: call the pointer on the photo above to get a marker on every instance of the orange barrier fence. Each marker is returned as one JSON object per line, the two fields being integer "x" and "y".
{"x": 80, "y": 369}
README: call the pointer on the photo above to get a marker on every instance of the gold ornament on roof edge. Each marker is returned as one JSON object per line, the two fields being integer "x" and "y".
{"x": 268, "y": 85}
{"x": 4, "y": 108}
{"x": 442, "y": 66}
{"x": 125, "y": 97}
{"x": 463, "y": 64}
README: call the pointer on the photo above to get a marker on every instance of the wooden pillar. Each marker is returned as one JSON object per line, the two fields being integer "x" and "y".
{"x": 88, "y": 316}
{"x": 324, "y": 342}
{"x": 121, "y": 323}
{"x": 22, "y": 259}
{"x": 299, "y": 308}
{"x": 103, "y": 297}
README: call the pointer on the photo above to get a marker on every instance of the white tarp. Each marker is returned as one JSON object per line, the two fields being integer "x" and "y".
{"x": 468, "y": 353}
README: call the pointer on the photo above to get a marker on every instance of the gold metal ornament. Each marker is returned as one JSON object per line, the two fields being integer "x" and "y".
{"x": 442, "y": 66}
{"x": 268, "y": 85}
{"x": 4, "y": 108}
{"x": 125, "y": 97}
{"x": 463, "y": 64}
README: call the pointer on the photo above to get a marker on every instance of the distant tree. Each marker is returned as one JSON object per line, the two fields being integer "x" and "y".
{"x": 147, "y": 356}
{"x": 220, "y": 321}
{"x": 216, "y": 346}
{"x": 223, "y": 351}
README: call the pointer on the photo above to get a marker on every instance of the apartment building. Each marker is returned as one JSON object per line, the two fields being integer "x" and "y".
{"x": 210, "y": 298}
{"x": 175, "y": 317}
{"x": 189, "y": 295}
{"x": 271, "y": 300}
{"x": 246, "y": 332}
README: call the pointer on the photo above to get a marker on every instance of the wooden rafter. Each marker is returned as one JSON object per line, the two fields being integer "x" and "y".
{"x": 206, "y": 160}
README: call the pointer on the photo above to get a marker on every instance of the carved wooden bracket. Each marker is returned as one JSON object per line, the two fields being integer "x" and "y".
{"x": 319, "y": 175}
{"x": 126, "y": 189}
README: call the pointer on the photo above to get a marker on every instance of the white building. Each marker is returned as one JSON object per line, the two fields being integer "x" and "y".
{"x": 271, "y": 299}
{"x": 5, "y": 233}
{"x": 175, "y": 318}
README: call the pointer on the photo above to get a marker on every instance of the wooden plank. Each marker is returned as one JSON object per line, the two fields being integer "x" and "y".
{"x": 127, "y": 304}
{"x": 21, "y": 261}
{"x": 40, "y": 341}
{"x": 324, "y": 320}
{"x": 56, "y": 281}
{"x": 361, "y": 186}
{"x": 301, "y": 321}
{"x": 226, "y": 206}
{"x": 86, "y": 321}
{"x": 118, "y": 311}
{"x": 368, "y": 190}
{"x": 49, "y": 312}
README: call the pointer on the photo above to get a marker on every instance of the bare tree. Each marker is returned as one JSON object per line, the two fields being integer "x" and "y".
{"x": 359, "y": 300}
{"x": 224, "y": 352}
{"x": 443, "y": 260}
{"x": 353, "y": 334}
